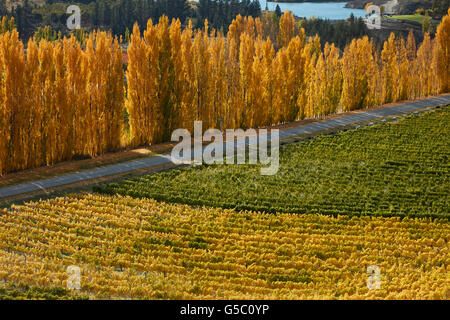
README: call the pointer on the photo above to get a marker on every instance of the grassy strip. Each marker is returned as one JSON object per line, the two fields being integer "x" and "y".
{"x": 409, "y": 17}
{"x": 412, "y": 17}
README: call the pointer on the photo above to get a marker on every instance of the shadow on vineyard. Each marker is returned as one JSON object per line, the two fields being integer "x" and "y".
{"x": 390, "y": 169}
{"x": 11, "y": 291}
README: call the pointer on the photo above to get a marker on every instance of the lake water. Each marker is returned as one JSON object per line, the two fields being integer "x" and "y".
{"x": 325, "y": 10}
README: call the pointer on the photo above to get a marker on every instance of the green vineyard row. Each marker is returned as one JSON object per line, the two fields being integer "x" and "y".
{"x": 393, "y": 169}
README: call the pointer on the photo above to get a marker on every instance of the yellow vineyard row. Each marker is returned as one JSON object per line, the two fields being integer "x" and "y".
{"x": 130, "y": 248}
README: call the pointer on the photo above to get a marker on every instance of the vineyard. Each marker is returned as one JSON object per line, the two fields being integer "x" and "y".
{"x": 131, "y": 248}
{"x": 397, "y": 168}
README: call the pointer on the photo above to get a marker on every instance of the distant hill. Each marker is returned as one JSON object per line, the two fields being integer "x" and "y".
{"x": 404, "y": 6}
{"x": 14, "y": 3}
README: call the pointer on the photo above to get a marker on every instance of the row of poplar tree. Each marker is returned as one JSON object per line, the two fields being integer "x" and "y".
{"x": 61, "y": 99}
{"x": 58, "y": 100}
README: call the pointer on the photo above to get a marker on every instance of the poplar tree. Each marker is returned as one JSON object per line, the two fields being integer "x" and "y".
{"x": 218, "y": 75}
{"x": 188, "y": 110}
{"x": 443, "y": 40}
{"x": 246, "y": 54}
{"x": 390, "y": 71}
{"x": 333, "y": 76}
{"x": 287, "y": 29}
{"x": 75, "y": 62}
{"x": 141, "y": 102}
{"x": 15, "y": 115}
{"x": 424, "y": 56}
{"x": 358, "y": 71}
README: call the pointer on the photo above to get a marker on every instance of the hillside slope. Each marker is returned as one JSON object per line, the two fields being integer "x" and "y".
{"x": 394, "y": 6}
